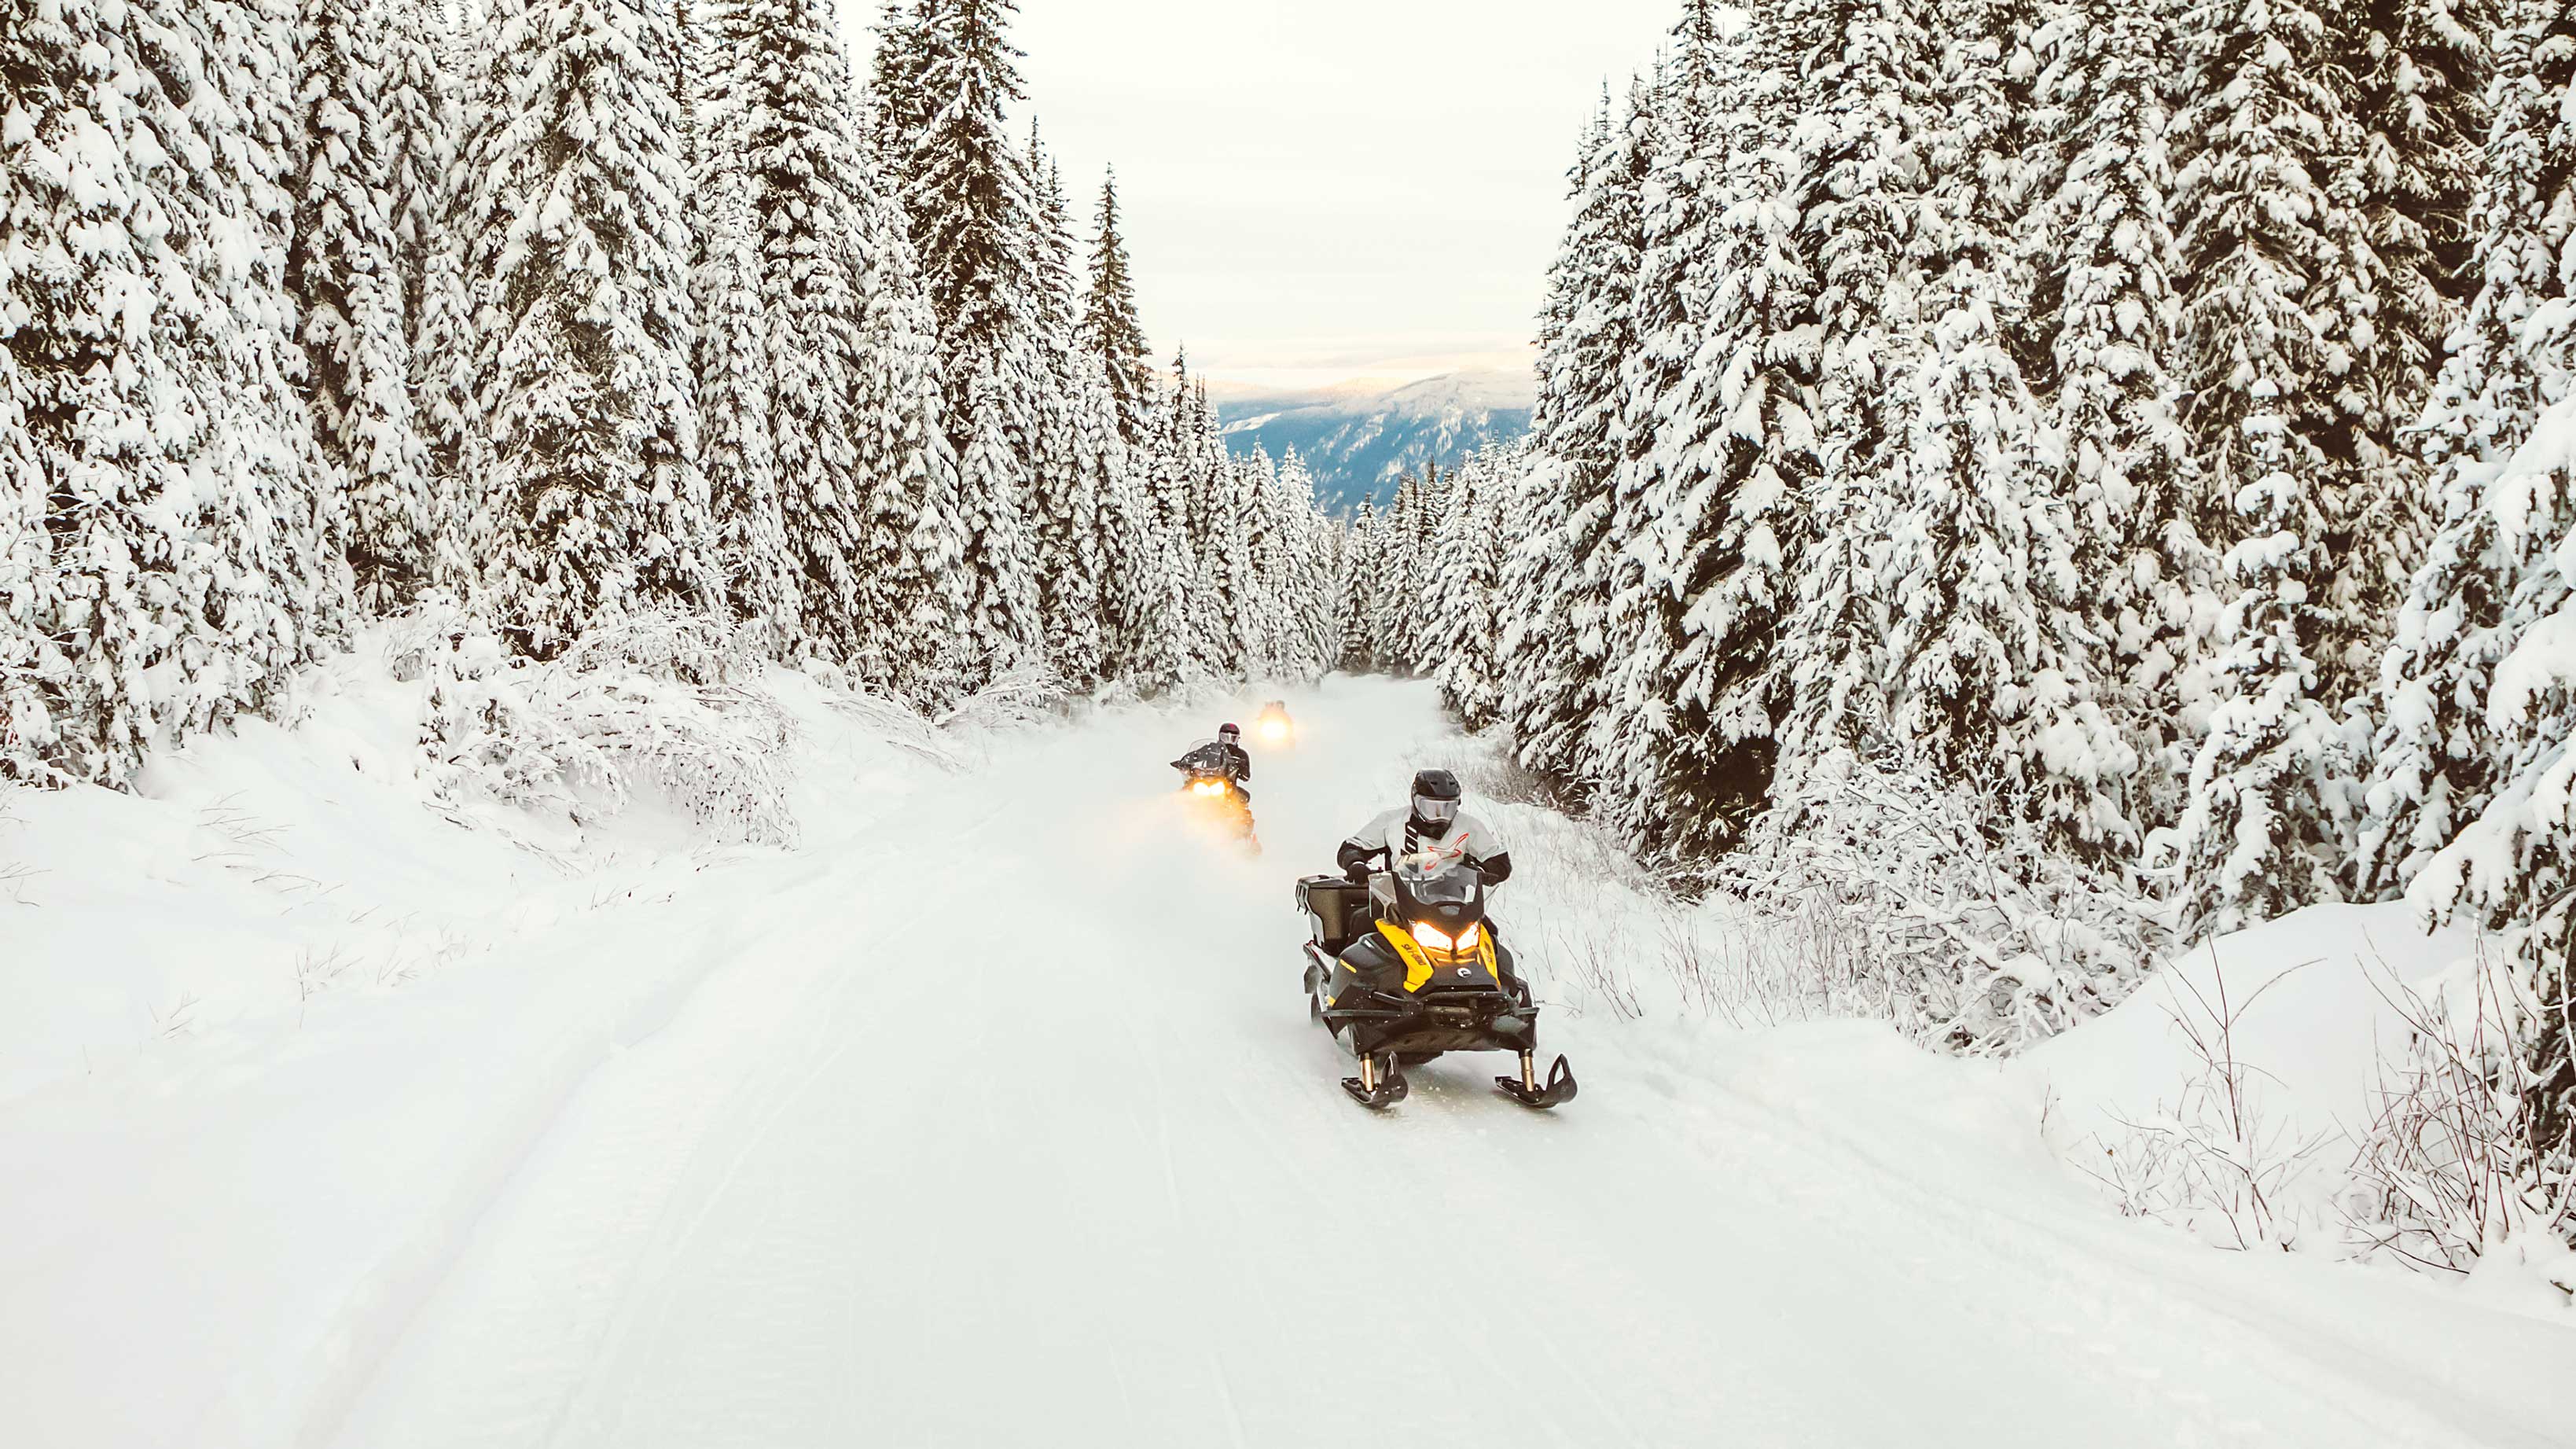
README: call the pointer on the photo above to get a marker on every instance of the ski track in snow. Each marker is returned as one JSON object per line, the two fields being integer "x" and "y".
{"x": 1003, "y": 1124}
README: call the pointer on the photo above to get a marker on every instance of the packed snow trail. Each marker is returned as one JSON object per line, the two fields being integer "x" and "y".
{"x": 1007, "y": 1127}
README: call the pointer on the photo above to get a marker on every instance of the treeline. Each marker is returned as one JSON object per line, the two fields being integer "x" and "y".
{"x": 2142, "y": 430}
{"x": 574, "y": 311}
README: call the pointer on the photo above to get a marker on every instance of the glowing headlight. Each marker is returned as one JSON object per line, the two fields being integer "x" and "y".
{"x": 1276, "y": 729}
{"x": 1434, "y": 937}
{"x": 1467, "y": 937}
{"x": 1208, "y": 787}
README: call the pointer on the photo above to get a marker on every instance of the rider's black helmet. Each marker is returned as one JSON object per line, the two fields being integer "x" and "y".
{"x": 1435, "y": 797}
{"x": 1229, "y": 733}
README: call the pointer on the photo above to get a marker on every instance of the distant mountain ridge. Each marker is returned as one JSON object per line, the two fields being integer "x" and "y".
{"x": 1359, "y": 439}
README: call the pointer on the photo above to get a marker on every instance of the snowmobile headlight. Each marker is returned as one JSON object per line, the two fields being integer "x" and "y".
{"x": 1435, "y": 938}
{"x": 1276, "y": 729}
{"x": 1467, "y": 936}
{"x": 1208, "y": 787}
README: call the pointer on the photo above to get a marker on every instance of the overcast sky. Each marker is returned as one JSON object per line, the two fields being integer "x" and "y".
{"x": 1331, "y": 188}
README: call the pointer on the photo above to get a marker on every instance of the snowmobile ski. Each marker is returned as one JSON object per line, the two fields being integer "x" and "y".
{"x": 1525, "y": 1089}
{"x": 1379, "y": 1085}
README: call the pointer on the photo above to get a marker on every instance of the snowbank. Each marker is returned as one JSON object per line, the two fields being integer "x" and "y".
{"x": 2316, "y": 1082}
{"x": 2308, "y": 996}
{"x": 275, "y": 1028}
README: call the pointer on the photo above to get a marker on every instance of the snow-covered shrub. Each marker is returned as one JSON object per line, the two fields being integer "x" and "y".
{"x": 1021, "y": 696}
{"x": 2211, "y": 1159}
{"x": 657, "y": 700}
{"x": 2463, "y": 1153}
{"x": 1599, "y": 930}
{"x": 14, "y": 873}
{"x": 885, "y": 717}
{"x": 1987, "y": 941}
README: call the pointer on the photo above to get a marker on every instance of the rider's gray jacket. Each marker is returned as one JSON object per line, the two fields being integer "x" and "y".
{"x": 1395, "y": 834}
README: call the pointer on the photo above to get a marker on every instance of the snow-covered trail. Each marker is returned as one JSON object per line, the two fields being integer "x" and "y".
{"x": 1006, "y": 1126}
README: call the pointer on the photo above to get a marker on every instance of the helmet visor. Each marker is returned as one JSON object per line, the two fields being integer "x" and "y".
{"x": 1442, "y": 813}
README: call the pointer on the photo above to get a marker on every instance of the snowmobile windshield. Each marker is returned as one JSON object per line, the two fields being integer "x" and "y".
{"x": 1445, "y": 882}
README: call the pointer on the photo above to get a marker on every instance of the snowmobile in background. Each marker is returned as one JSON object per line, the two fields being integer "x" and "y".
{"x": 1209, "y": 787}
{"x": 1407, "y": 967}
{"x": 1276, "y": 729}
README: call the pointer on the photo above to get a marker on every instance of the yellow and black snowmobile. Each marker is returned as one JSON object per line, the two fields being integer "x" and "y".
{"x": 1407, "y": 967}
{"x": 1209, "y": 785}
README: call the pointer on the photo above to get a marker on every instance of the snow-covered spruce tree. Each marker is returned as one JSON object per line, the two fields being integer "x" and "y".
{"x": 926, "y": 652}
{"x": 1277, "y": 568}
{"x": 970, "y": 193}
{"x": 1000, "y": 558}
{"x": 1111, "y": 327}
{"x": 2482, "y": 692}
{"x": 169, "y": 536}
{"x": 1064, "y": 496}
{"x": 1213, "y": 508}
{"x": 25, "y": 653}
{"x": 1639, "y": 740}
{"x": 976, "y": 231}
{"x": 1396, "y": 549}
{"x": 579, "y": 262}
{"x": 897, "y": 108}
{"x": 1264, "y": 545}
{"x": 433, "y": 72}
{"x": 1166, "y": 654}
{"x": 1134, "y": 547}
{"x": 1210, "y": 463}
{"x": 1994, "y": 686}
{"x": 1167, "y": 458}
{"x": 733, "y": 368}
{"x": 2275, "y": 235}
{"x": 84, "y": 454}
{"x": 1395, "y": 630}
{"x": 2268, "y": 823}
{"x": 2130, "y": 477}
{"x": 1069, "y": 562}
{"x": 2417, "y": 72}
{"x": 1361, "y": 570}
{"x": 1229, "y": 631}
{"x": 1164, "y": 484}
{"x": 260, "y": 584}
{"x": 1558, "y": 577}
{"x": 1861, "y": 154}
{"x": 346, "y": 271}
{"x": 268, "y": 504}
{"x": 420, "y": 99}
{"x": 913, "y": 607}
{"x": 1528, "y": 572}
{"x": 1314, "y": 620}
{"x": 2262, "y": 240}
{"x": 1129, "y": 588}
{"x": 2513, "y": 868}
{"x": 798, "y": 129}
{"x": 1468, "y": 555}
{"x": 1994, "y": 692}
{"x": 2435, "y": 767}
{"x": 1722, "y": 438}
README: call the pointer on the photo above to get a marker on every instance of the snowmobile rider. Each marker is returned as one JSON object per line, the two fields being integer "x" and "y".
{"x": 1433, "y": 823}
{"x": 1232, "y": 758}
